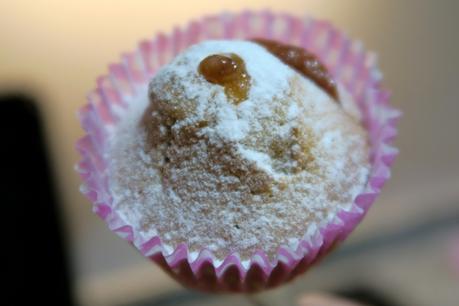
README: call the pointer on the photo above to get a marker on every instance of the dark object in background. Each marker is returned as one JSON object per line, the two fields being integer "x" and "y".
{"x": 366, "y": 296}
{"x": 38, "y": 265}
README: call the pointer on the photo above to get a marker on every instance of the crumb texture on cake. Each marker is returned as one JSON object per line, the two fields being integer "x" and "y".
{"x": 191, "y": 166}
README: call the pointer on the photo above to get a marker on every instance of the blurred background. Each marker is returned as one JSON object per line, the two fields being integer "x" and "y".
{"x": 406, "y": 251}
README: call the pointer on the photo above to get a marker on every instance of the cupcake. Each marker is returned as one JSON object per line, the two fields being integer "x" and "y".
{"x": 237, "y": 164}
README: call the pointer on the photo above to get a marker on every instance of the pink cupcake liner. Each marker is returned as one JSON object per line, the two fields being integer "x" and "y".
{"x": 351, "y": 66}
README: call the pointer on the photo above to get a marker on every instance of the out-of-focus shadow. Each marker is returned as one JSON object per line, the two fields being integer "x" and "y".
{"x": 367, "y": 296}
{"x": 38, "y": 264}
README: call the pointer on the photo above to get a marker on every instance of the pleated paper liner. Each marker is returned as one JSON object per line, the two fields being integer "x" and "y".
{"x": 351, "y": 66}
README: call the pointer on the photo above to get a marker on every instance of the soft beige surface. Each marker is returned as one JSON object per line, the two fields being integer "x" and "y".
{"x": 57, "y": 48}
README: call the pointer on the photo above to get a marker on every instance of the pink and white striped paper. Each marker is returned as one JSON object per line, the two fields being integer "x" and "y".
{"x": 350, "y": 65}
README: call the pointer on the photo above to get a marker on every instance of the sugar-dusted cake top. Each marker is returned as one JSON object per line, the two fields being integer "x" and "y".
{"x": 260, "y": 165}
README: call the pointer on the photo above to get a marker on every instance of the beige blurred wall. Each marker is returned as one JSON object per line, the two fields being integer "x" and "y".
{"x": 56, "y": 49}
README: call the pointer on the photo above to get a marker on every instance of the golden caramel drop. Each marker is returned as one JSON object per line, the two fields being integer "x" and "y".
{"x": 228, "y": 71}
{"x": 302, "y": 61}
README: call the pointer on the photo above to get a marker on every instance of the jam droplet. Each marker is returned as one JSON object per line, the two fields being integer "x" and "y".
{"x": 302, "y": 61}
{"x": 227, "y": 70}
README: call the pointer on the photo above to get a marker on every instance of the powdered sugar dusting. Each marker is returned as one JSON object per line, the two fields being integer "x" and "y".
{"x": 196, "y": 168}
